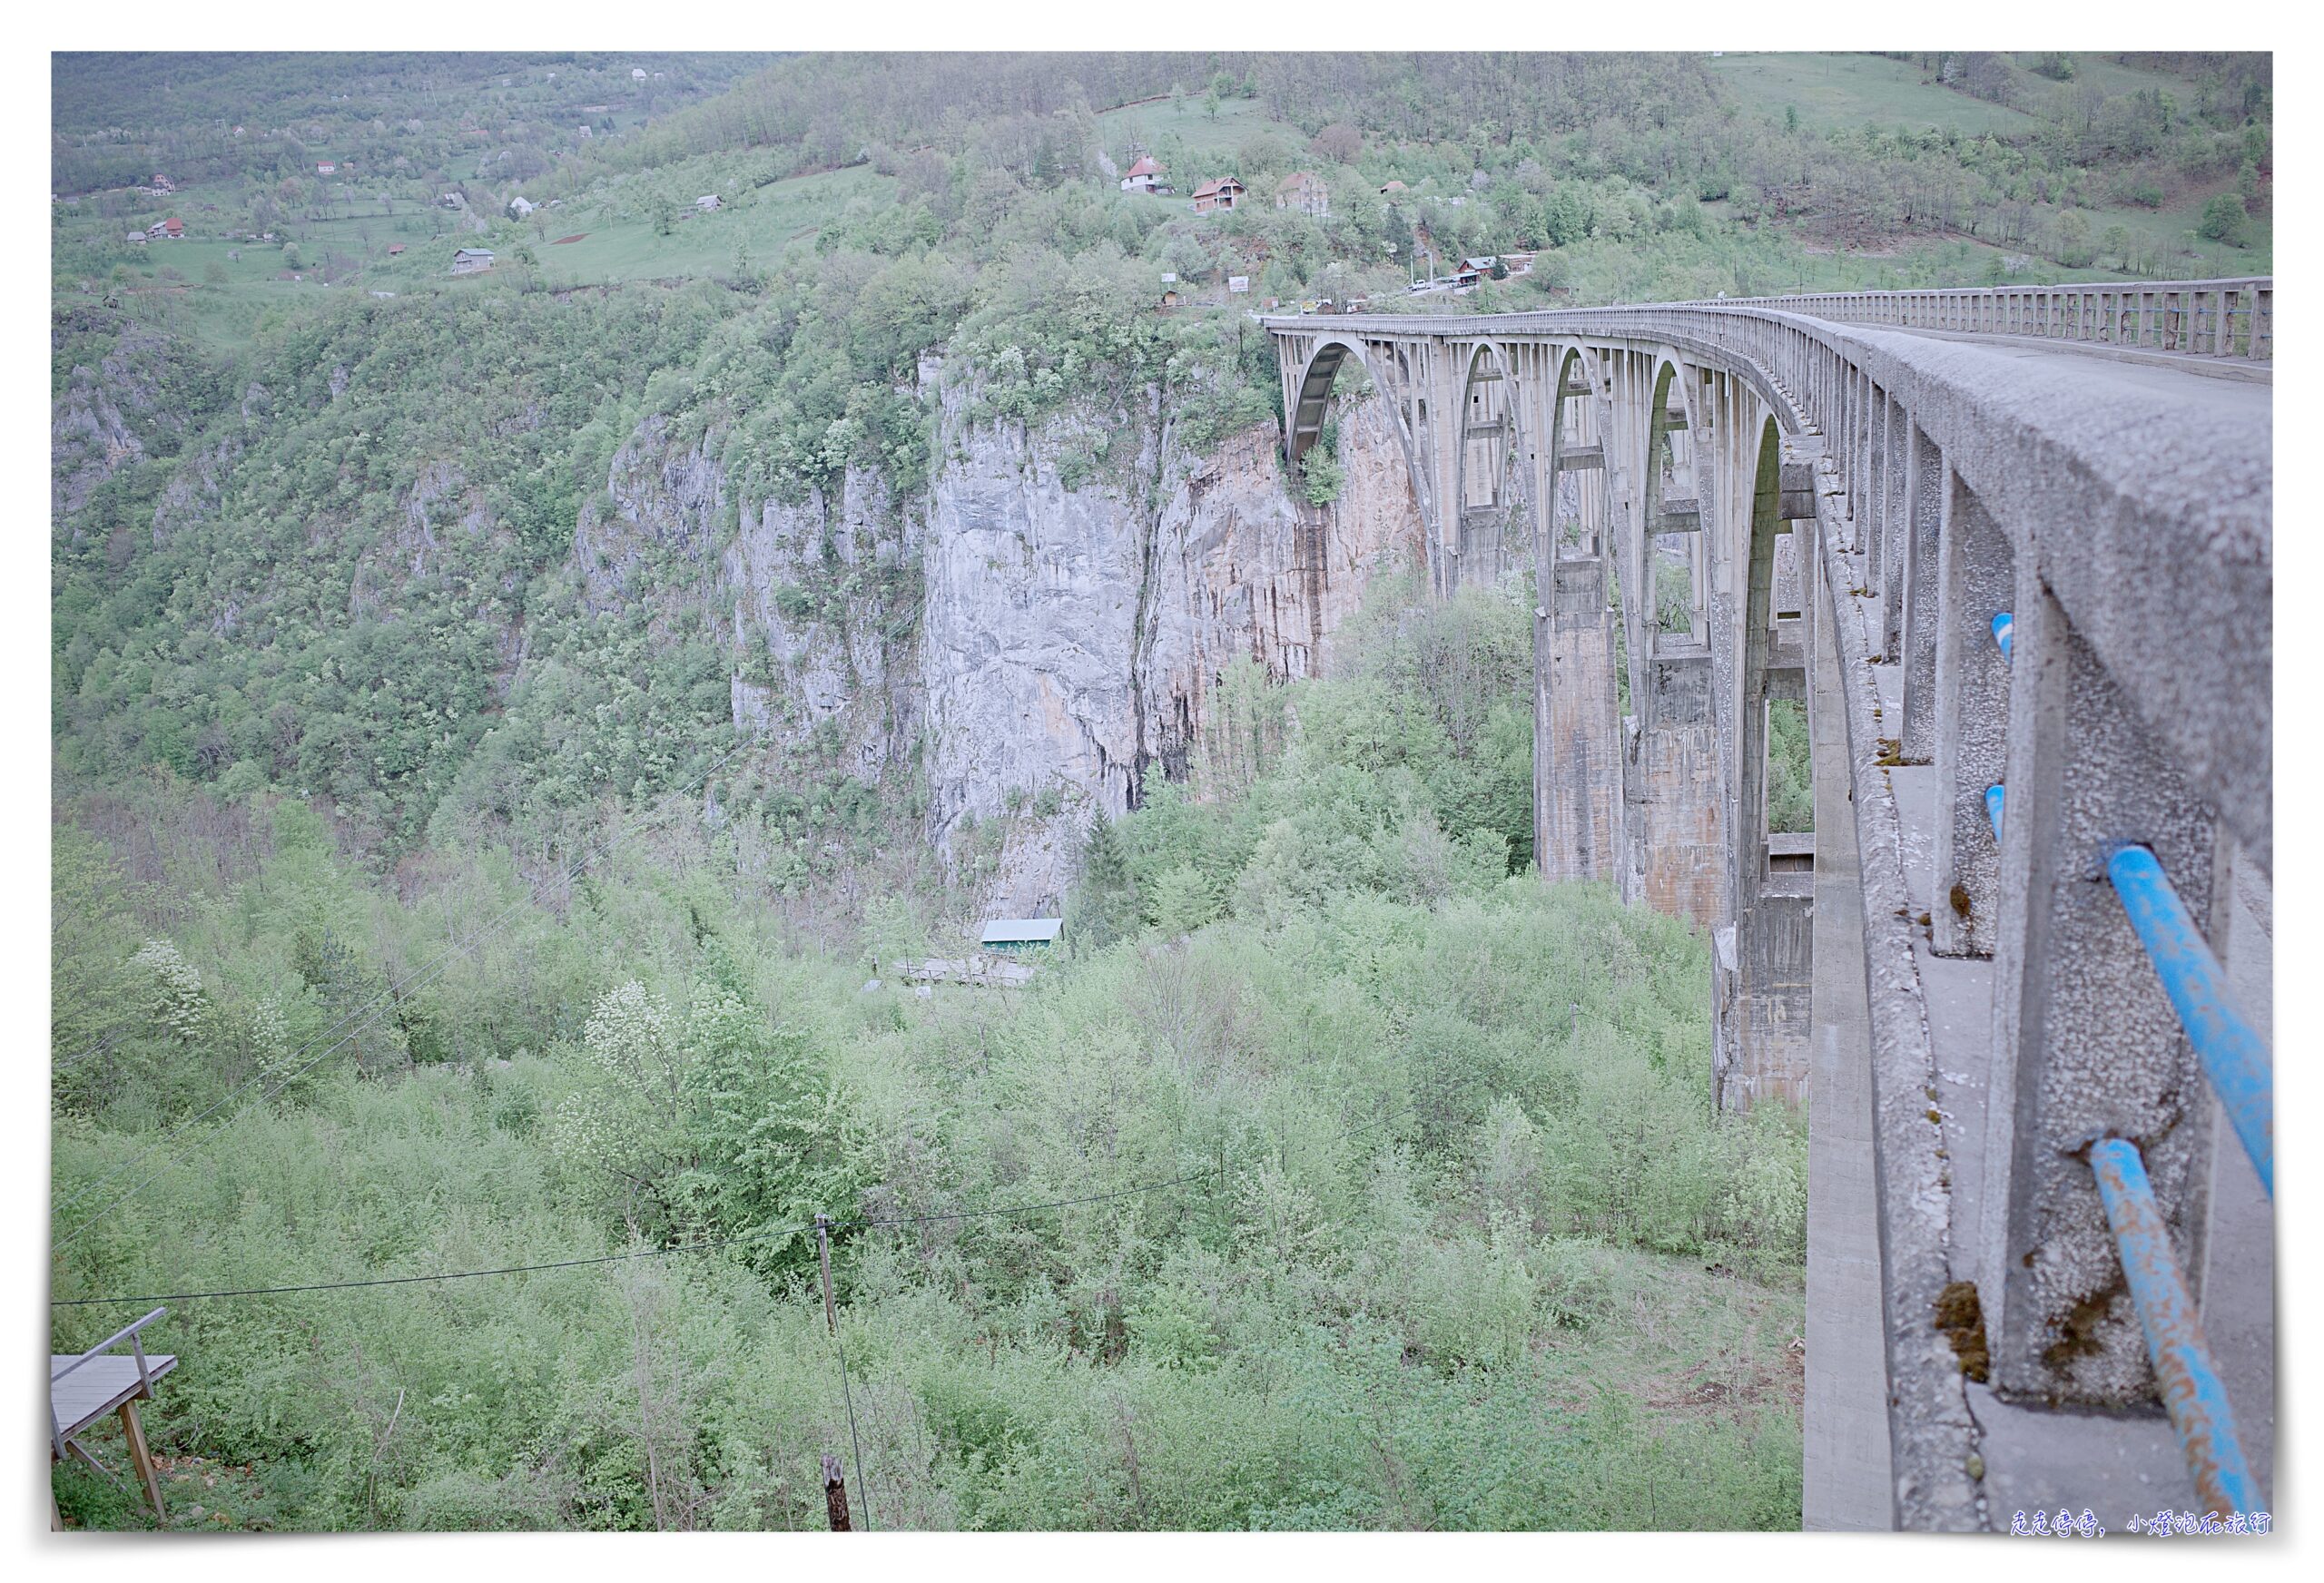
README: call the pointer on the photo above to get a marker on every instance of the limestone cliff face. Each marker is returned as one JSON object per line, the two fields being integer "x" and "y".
{"x": 809, "y": 597}
{"x": 1073, "y": 633}
{"x": 1045, "y": 628}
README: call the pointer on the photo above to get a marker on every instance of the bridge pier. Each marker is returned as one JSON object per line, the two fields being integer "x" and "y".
{"x": 1577, "y": 740}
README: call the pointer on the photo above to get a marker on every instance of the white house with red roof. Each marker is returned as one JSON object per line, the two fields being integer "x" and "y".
{"x": 1146, "y": 176}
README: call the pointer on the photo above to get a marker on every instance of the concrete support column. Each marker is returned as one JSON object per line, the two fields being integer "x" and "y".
{"x": 1577, "y": 755}
{"x": 2085, "y": 1042}
{"x": 1764, "y": 959}
{"x": 1578, "y": 806}
{"x": 1975, "y": 583}
{"x": 1678, "y": 791}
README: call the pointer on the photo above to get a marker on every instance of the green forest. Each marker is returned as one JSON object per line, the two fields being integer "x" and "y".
{"x": 1379, "y": 1157}
{"x": 425, "y": 901}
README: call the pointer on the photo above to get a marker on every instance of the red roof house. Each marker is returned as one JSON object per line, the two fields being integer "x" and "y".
{"x": 1222, "y": 194}
{"x": 1146, "y": 176}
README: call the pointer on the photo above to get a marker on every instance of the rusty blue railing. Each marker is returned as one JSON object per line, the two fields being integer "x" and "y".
{"x": 2234, "y": 1057}
{"x": 2235, "y": 1062}
{"x": 2192, "y": 1393}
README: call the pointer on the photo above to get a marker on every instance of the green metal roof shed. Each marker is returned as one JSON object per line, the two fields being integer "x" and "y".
{"x": 1009, "y": 934}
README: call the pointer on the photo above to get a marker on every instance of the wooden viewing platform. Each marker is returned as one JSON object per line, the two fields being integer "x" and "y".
{"x": 83, "y": 1389}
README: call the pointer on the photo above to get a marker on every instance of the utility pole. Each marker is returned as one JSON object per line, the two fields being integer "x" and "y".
{"x": 835, "y": 1495}
{"x": 823, "y": 1247}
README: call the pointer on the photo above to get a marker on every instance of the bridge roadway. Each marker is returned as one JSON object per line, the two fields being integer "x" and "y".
{"x": 1959, "y": 1001}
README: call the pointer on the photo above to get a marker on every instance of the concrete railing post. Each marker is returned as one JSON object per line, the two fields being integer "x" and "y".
{"x": 1924, "y": 476}
{"x": 1976, "y": 569}
{"x": 1896, "y": 525}
{"x": 2086, "y": 1044}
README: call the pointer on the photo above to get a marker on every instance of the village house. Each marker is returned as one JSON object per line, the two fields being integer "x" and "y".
{"x": 1146, "y": 176}
{"x": 325, "y": 168}
{"x": 1217, "y": 195}
{"x": 171, "y": 229}
{"x": 1304, "y": 191}
{"x": 1391, "y": 189}
{"x": 471, "y": 261}
{"x": 708, "y": 203}
{"x": 520, "y": 206}
{"x": 394, "y": 247}
{"x": 163, "y": 184}
{"x": 638, "y": 73}
{"x": 585, "y": 132}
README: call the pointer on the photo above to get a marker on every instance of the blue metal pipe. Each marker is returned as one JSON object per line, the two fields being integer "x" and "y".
{"x": 2004, "y": 625}
{"x": 1992, "y": 809}
{"x": 2235, "y": 1057}
{"x": 2192, "y": 1391}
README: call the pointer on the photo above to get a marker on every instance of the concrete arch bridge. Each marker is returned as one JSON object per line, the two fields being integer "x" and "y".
{"x": 2007, "y": 556}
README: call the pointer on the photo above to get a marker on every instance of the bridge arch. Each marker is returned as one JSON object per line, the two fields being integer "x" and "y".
{"x": 1311, "y": 402}
{"x": 1490, "y": 514}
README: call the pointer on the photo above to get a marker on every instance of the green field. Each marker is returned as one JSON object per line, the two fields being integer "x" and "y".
{"x": 1187, "y": 121}
{"x": 1851, "y": 90}
{"x": 619, "y": 241}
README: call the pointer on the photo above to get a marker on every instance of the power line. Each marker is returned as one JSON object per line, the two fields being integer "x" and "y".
{"x": 99, "y": 1049}
{"x": 394, "y": 992}
{"x": 1001, "y": 1210}
{"x": 417, "y": 1280}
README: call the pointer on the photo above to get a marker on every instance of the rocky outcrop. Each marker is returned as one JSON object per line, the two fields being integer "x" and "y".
{"x": 103, "y": 418}
{"x": 1074, "y": 632}
{"x": 813, "y": 598}
{"x": 1045, "y": 623}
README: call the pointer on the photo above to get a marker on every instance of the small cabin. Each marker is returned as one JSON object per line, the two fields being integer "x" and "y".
{"x": 1013, "y": 936}
{"x": 471, "y": 261}
{"x": 708, "y": 203}
{"x": 1212, "y": 196}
